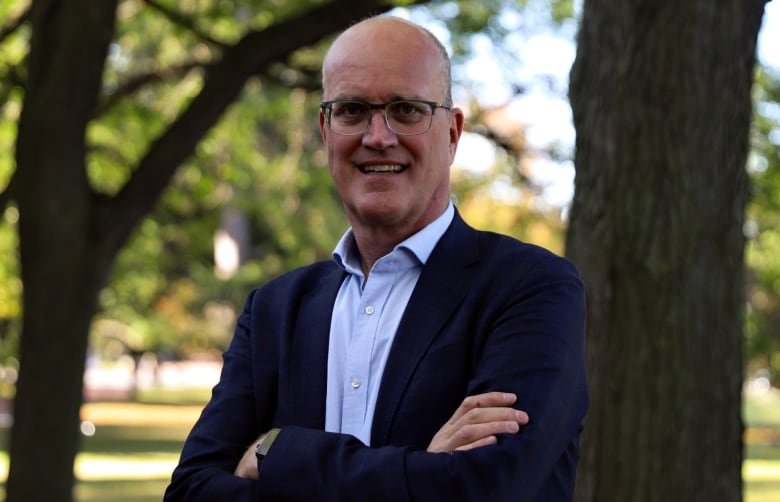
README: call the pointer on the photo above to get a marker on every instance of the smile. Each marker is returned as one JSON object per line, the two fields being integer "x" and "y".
{"x": 382, "y": 168}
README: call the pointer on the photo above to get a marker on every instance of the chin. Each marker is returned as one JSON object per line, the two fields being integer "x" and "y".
{"x": 380, "y": 214}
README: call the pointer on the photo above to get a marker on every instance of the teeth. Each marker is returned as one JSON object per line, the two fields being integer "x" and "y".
{"x": 386, "y": 168}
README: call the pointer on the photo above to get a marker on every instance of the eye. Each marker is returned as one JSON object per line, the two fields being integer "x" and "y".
{"x": 349, "y": 110}
{"x": 407, "y": 111}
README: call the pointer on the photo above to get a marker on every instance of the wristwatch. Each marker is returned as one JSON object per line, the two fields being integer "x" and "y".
{"x": 261, "y": 450}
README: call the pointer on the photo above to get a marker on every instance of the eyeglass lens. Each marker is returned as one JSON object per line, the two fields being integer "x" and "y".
{"x": 402, "y": 117}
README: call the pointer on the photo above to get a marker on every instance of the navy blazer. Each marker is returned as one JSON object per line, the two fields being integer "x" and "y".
{"x": 488, "y": 313}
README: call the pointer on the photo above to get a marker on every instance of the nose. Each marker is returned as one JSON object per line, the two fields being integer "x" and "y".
{"x": 378, "y": 135}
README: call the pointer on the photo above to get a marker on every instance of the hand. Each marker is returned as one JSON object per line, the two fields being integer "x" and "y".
{"x": 247, "y": 466}
{"x": 476, "y": 422}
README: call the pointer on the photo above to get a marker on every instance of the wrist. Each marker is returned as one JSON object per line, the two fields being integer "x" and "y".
{"x": 264, "y": 445}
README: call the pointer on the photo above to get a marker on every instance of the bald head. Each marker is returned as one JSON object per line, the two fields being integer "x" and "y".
{"x": 385, "y": 34}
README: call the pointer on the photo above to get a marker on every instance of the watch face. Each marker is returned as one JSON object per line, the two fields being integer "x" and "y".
{"x": 265, "y": 443}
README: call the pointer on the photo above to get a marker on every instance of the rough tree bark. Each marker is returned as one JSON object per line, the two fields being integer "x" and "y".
{"x": 67, "y": 50}
{"x": 70, "y": 235}
{"x": 660, "y": 91}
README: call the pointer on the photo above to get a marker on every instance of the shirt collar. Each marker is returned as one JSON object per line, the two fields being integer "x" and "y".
{"x": 420, "y": 244}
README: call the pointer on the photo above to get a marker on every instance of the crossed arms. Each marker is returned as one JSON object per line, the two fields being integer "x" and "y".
{"x": 525, "y": 338}
{"x": 476, "y": 422}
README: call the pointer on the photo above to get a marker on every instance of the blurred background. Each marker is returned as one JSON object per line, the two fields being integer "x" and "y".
{"x": 253, "y": 199}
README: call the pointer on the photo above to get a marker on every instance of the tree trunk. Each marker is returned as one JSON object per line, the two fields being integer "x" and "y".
{"x": 59, "y": 272}
{"x": 660, "y": 92}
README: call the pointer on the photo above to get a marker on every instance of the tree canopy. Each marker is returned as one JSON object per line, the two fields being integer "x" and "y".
{"x": 135, "y": 132}
{"x": 141, "y": 129}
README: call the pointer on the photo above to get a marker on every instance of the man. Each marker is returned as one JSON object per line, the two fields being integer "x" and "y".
{"x": 393, "y": 371}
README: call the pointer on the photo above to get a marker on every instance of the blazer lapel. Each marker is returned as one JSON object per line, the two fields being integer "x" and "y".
{"x": 309, "y": 358}
{"x": 440, "y": 289}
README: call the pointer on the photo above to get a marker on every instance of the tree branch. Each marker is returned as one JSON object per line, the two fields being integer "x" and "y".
{"x": 11, "y": 79}
{"x": 223, "y": 82}
{"x": 7, "y": 195}
{"x": 294, "y": 77}
{"x": 184, "y": 21}
{"x": 137, "y": 82}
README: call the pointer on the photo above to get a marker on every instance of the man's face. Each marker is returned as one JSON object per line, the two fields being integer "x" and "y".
{"x": 384, "y": 63}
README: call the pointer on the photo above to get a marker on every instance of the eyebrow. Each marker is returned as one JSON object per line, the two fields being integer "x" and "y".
{"x": 396, "y": 97}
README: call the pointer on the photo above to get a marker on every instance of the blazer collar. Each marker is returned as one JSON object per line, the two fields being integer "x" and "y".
{"x": 309, "y": 358}
{"x": 441, "y": 287}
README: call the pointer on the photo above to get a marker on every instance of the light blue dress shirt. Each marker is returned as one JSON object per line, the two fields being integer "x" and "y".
{"x": 365, "y": 319}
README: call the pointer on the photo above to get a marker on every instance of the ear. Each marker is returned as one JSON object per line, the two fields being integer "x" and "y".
{"x": 323, "y": 126}
{"x": 456, "y": 129}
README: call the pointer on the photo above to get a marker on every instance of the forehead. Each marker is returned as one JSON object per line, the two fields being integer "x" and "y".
{"x": 381, "y": 60}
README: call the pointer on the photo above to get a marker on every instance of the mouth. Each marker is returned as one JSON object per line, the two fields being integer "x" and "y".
{"x": 382, "y": 168}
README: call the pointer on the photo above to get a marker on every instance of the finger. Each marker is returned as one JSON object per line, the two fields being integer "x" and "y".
{"x": 470, "y": 433}
{"x": 476, "y": 444}
{"x": 488, "y": 399}
{"x": 487, "y": 415}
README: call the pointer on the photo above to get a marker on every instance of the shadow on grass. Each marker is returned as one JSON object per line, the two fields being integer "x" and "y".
{"x": 187, "y": 396}
{"x": 123, "y": 491}
{"x": 114, "y": 439}
{"x": 139, "y": 490}
{"x": 763, "y": 452}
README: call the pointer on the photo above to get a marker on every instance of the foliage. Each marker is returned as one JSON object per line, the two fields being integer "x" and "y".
{"x": 763, "y": 230}
{"x": 164, "y": 289}
{"x": 263, "y": 160}
{"x": 11, "y": 56}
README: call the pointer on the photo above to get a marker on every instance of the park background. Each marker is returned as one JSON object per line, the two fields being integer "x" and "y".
{"x": 252, "y": 198}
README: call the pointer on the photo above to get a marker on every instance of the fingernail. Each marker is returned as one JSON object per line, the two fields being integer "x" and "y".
{"x": 509, "y": 396}
{"x": 521, "y": 416}
{"x": 512, "y": 426}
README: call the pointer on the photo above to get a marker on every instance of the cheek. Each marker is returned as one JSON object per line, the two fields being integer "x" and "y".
{"x": 338, "y": 155}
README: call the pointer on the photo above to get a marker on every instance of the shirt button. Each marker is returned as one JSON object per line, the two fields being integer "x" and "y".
{"x": 369, "y": 310}
{"x": 355, "y": 383}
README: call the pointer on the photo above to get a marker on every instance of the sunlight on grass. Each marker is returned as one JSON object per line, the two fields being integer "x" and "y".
{"x": 160, "y": 415}
{"x": 761, "y": 469}
{"x": 103, "y": 467}
{"x": 91, "y": 467}
{"x": 762, "y": 478}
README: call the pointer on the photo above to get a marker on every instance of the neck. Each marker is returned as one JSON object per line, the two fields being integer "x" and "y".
{"x": 375, "y": 238}
{"x": 374, "y": 243}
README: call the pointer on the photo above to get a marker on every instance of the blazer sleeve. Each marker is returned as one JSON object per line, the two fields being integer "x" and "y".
{"x": 534, "y": 348}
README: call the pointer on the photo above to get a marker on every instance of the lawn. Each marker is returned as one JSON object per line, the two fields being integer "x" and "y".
{"x": 761, "y": 469}
{"x": 136, "y": 445}
{"x": 134, "y": 448}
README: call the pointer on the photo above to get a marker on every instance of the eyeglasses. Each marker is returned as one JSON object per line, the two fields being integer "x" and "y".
{"x": 404, "y": 117}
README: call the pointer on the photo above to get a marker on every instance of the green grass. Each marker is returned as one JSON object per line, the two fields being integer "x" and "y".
{"x": 761, "y": 469}
{"x": 157, "y": 395}
{"x": 763, "y": 410}
{"x": 134, "y": 448}
{"x": 136, "y": 445}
